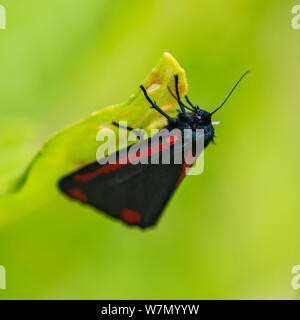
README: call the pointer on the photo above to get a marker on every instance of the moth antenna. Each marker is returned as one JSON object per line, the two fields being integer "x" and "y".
{"x": 230, "y": 93}
{"x": 181, "y": 104}
{"x": 156, "y": 107}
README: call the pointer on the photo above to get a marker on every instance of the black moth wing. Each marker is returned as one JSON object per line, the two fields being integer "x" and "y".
{"x": 133, "y": 193}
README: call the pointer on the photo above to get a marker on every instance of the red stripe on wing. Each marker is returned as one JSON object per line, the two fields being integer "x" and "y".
{"x": 187, "y": 164}
{"x": 140, "y": 154}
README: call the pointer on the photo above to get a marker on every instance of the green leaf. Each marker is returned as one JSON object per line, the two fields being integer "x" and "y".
{"x": 76, "y": 145}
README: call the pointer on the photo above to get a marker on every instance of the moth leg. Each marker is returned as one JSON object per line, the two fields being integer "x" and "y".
{"x": 173, "y": 95}
{"x": 189, "y": 102}
{"x": 136, "y": 132}
{"x": 156, "y": 107}
{"x": 181, "y": 104}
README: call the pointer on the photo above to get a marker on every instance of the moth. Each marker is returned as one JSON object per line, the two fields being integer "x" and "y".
{"x": 138, "y": 193}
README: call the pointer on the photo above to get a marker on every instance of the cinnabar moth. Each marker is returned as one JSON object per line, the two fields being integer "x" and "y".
{"x": 138, "y": 193}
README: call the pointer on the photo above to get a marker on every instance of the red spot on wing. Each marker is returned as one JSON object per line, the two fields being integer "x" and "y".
{"x": 190, "y": 160}
{"x": 131, "y": 216}
{"x": 93, "y": 174}
{"x": 77, "y": 194}
{"x": 140, "y": 154}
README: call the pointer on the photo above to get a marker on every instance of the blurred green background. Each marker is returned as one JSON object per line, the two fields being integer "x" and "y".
{"x": 232, "y": 232}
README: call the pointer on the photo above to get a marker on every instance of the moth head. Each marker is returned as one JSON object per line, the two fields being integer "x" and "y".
{"x": 203, "y": 117}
